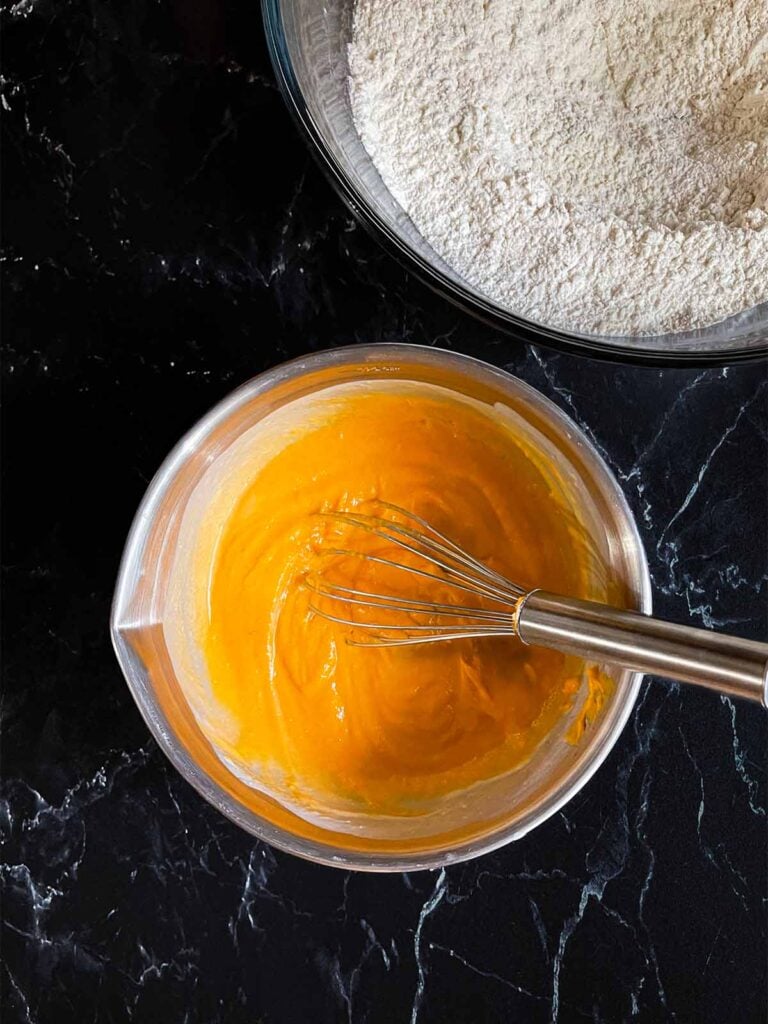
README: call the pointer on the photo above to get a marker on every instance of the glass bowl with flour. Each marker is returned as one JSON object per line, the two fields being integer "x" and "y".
{"x": 584, "y": 174}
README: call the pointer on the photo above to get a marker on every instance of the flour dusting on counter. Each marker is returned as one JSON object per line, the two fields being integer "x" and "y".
{"x": 596, "y": 166}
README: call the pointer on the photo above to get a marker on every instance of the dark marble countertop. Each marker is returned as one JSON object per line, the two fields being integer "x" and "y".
{"x": 166, "y": 237}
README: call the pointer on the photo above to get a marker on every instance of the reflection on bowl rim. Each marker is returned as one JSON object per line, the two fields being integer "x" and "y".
{"x": 154, "y": 716}
{"x": 701, "y": 345}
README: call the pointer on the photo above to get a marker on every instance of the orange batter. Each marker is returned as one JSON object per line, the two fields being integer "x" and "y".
{"x": 385, "y": 731}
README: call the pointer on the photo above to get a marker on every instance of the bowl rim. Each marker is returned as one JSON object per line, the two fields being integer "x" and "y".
{"x": 645, "y": 350}
{"x": 163, "y": 732}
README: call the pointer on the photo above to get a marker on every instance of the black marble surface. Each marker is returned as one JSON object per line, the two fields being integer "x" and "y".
{"x": 167, "y": 236}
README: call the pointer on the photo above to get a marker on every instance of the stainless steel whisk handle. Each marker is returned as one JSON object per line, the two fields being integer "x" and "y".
{"x": 738, "y": 668}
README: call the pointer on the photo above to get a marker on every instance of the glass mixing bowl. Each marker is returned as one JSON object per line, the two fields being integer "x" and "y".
{"x": 308, "y": 44}
{"x": 143, "y": 617}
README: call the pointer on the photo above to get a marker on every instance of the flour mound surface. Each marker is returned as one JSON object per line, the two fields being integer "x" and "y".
{"x": 595, "y": 165}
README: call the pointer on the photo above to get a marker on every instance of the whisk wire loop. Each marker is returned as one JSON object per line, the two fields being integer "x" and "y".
{"x": 455, "y": 568}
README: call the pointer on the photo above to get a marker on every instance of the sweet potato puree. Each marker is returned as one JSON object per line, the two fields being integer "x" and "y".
{"x": 385, "y": 731}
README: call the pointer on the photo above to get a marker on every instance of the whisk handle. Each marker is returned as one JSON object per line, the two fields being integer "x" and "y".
{"x": 738, "y": 668}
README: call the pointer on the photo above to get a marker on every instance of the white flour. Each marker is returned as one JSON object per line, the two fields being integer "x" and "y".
{"x": 599, "y": 165}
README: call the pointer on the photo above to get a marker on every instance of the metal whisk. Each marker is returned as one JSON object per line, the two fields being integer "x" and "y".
{"x": 596, "y": 632}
